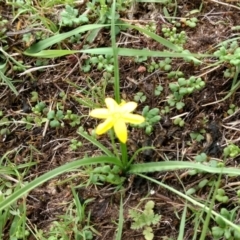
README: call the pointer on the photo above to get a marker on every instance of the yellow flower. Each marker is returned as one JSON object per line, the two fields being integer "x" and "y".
{"x": 116, "y": 115}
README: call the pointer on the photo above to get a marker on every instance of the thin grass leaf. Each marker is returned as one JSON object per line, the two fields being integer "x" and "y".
{"x": 6, "y": 80}
{"x": 96, "y": 143}
{"x": 182, "y": 224}
{"x": 176, "y": 165}
{"x": 41, "y": 45}
{"x": 205, "y": 228}
{"x": 157, "y": 38}
{"x": 51, "y": 53}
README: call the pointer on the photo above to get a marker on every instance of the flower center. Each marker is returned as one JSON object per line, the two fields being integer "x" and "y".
{"x": 116, "y": 116}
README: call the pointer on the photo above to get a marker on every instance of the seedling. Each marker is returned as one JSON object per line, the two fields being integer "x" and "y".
{"x": 29, "y": 120}
{"x": 221, "y": 197}
{"x": 223, "y": 230}
{"x": 152, "y": 117}
{"x": 191, "y": 22}
{"x": 229, "y": 53}
{"x": 165, "y": 110}
{"x": 139, "y": 59}
{"x": 179, "y": 121}
{"x": 73, "y": 118}
{"x": 182, "y": 88}
{"x": 200, "y": 185}
{"x": 100, "y": 62}
{"x": 70, "y": 17}
{"x": 144, "y": 220}
{"x": 174, "y": 37}
{"x": 75, "y": 144}
{"x": 175, "y": 74}
{"x": 198, "y": 136}
{"x": 151, "y": 27}
{"x": 231, "y": 150}
{"x": 140, "y": 97}
{"x": 203, "y": 158}
{"x": 232, "y": 109}
{"x": 158, "y": 90}
{"x": 55, "y": 118}
{"x": 39, "y": 108}
{"x": 34, "y": 97}
{"x": 106, "y": 174}
{"x": 152, "y": 67}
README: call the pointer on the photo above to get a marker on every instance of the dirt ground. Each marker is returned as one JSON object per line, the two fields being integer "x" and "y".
{"x": 50, "y": 147}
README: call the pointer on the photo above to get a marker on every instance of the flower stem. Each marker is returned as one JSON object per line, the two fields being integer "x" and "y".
{"x": 124, "y": 156}
{"x": 115, "y": 55}
{"x": 112, "y": 135}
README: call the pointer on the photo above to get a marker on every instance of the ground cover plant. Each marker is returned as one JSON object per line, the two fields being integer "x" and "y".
{"x": 119, "y": 120}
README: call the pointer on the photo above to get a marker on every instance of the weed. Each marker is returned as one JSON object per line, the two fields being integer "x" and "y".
{"x": 158, "y": 90}
{"x": 152, "y": 117}
{"x": 140, "y": 97}
{"x": 174, "y": 37}
{"x": 179, "y": 121}
{"x": 221, "y": 196}
{"x": 232, "y": 109}
{"x": 75, "y": 144}
{"x": 190, "y": 22}
{"x": 223, "y": 230}
{"x": 73, "y": 118}
{"x": 100, "y": 62}
{"x": 182, "y": 88}
{"x": 106, "y": 174}
{"x": 198, "y": 136}
{"x": 144, "y": 220}
{"x": 70, "y": 17}
{"x": 231, "y": 150}
{"x": 163, "y": 65}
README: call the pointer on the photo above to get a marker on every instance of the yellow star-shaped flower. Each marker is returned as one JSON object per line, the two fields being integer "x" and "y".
{"x": 116, "y": 115}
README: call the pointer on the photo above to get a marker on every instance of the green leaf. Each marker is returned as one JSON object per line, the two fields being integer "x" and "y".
{"x": 180, "y": 105}
{"x": 59, "y": 114}
{"x": 148, "y": 234}
{"x": 5, "y": 79}
{"x": 51, "y": 114}
{"x": 149, "y": 205}
{"x": 177, "y": 165}
{"x": 217, "y": 232}
{"x": 54, "y": 123}
{"x": 41, "y": 45}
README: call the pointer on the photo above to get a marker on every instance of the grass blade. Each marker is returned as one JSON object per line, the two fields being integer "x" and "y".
{"x": 176, "y": 165}
{"x": 41, "y": 45}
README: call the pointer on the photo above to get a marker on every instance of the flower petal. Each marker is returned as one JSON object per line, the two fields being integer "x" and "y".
{"x": 104, "y": 127}
{"x": 128, "y": 107}
{"x": 120, "y": 129}
{"x": 111, "y": 104}
{"x": 133, "y": 118}
{"x": 101, "y": 113}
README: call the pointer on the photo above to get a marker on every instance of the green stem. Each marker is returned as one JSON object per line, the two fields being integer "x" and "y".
{"x": 124, "y": 156}
{"x": 111, "y": 133}
{"x": 115, "y": 56}
{"x": 116, "y": 79}
{"x": 235, "y": 77}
